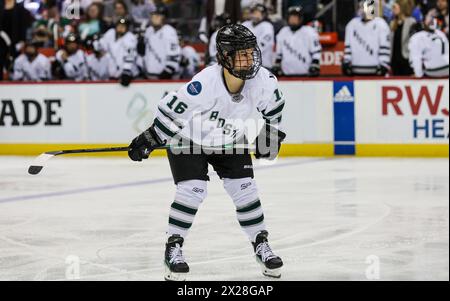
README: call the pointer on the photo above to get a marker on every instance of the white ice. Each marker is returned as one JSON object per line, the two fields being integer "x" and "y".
{"x": 329, "y": 219}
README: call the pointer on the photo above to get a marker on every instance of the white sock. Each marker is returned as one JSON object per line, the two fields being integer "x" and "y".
{"x": 189, "y": 195}
{"x": 248, "y": 206}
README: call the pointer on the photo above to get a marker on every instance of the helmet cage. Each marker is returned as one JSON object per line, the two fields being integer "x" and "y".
{"x": 228, "y": 56}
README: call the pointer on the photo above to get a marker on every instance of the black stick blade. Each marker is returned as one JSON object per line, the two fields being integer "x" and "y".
{"x": 34, "y": 170}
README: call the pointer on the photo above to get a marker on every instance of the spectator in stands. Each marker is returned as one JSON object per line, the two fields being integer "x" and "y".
{"x": 264, "y": 32}
{"x": 429, "y": 50}
{"x": 98, "y": 61}
{"x": 51, "y": 26}
{"x": 121, "y": 44}
{"x": 190, "y": 60}
{"x": 71, "y": 60}
{"x": 159, "y": 50}
{"x": 31, "y": 65}
{"x": 121, "y": 12}
{"x": 140, "y": 10}
{"x": 441, "y": 13}
{"x": 108, "y": 10}
{"x": 14, "y": 23}
{"x": 417, "y": 12}
{"x": 298, "y": 47}
{"x": 401, "y": 27}
{"x": 367, "y": 45}
{"x": 93, "y": 24}
{"x": 69, "y": 6}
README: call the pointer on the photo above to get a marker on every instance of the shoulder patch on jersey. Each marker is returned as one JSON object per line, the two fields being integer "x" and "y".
{"x": 194, "y": 88}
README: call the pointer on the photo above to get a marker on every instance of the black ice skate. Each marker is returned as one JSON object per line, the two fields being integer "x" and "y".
{"x": 270, "y": 263}
{"x": 175, "y": 266}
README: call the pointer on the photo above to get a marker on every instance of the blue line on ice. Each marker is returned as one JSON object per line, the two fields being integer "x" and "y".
{"x": 129, "y": 184}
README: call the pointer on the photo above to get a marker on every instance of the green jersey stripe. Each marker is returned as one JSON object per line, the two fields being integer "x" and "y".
{"x": 166, "y": 130}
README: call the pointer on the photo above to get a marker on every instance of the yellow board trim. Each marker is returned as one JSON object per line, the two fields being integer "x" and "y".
{"x": 403, "y": 150}
{"x": 307, "y": 150}
{"x": 287, "y": 150}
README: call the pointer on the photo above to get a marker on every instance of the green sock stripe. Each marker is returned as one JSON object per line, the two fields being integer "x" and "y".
{"x": 165, "y": 129}
{"x": 250, "y": 207}
{"x": 252, "y": 222}
{"x": 184, "y": 209}
{"x": 178, "y": 223}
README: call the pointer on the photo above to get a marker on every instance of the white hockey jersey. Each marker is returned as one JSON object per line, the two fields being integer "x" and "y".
{"x": 203, "y": 111}
{"x": 191, "y": 60}
{"x": 122, "y": 53}
{"x": 162, "y": 52}
{"x": 367, "y": 45}
{"x": 75, "y": 66}
{"x": 297, "y": 50}
{"x": 98, "y": 67}
{"x": 37, "y": 70}
{"x": 429, "y": 53}
{"x": 265, "y": 36}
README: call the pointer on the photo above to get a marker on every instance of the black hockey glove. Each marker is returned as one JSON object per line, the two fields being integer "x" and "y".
{"x": 382, "y": 70}
{"x": 125, "y": 79}
{"x": 165, "y": 75}
{"x": 268, "y": 142}
{"x": 347, "y": 68}
{"x": 276, "y": 70}
{"x": 184, "y": 62}
{"x": 314, "y": 69}
{"x": 141, "y": 46}
{"x": 144, "y": 144}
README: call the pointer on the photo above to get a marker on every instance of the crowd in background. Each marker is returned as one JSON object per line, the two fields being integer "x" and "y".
{"x": 127, "y": 39}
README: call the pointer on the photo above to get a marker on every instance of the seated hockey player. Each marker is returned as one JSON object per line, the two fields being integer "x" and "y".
{"x": 298, "y": 47}
{"x": 72, "y": 59}
{"x": 121, "y": 44}
{"x": 367, "y": 44}
{"x": 264, "y": 32}
{"x": 429, "y": 51}
{"x": 207, "y": 111}
{"x": 160, "y": 49}
{"x": 31, "y": 65}
{"x": 98, "y": 61}
{"x": 218, "y": 23}
{"x": 190, "y": 59}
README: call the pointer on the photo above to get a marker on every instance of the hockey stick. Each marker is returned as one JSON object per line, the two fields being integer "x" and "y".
{"x": 40, "y": 161}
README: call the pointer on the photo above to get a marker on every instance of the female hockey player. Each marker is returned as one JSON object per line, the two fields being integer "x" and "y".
{"x": 217, "y": 98}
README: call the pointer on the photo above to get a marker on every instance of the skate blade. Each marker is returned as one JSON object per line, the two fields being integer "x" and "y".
{"x": 172, "y": 276}
{"x": 272, "y": 273}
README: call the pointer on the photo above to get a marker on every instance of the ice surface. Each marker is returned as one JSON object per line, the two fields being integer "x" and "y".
{"x": 327, "y": 218}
